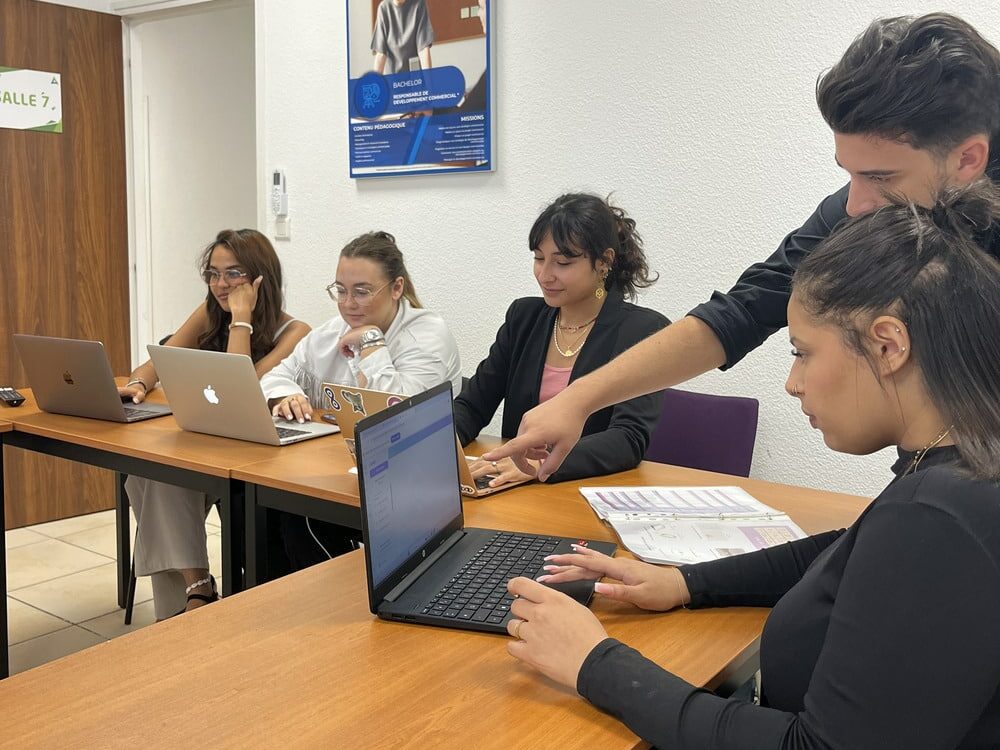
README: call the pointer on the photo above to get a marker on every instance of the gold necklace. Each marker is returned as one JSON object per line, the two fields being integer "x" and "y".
{"x": 577, "y": 328}
{"x": 919, "y": 455}
{"x": 570, "y": 351}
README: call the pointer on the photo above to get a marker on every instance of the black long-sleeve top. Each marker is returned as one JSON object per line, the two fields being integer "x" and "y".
{"x": 615, "y": 438}
{"x": 757, "y": 305}
{"x": 886, "y": 635}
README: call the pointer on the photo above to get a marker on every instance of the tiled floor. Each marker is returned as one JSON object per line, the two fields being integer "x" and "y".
{"x": 62, "y": 590}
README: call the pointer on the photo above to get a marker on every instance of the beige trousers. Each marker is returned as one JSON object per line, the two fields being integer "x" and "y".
{"x": 170, "y": 536}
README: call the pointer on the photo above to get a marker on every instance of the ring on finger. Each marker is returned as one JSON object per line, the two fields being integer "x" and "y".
{"x": 517, "y": 629}
{"x": 495, "y": 467}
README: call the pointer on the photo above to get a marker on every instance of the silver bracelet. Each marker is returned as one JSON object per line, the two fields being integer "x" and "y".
{"x": 241, "y": 324}
{"x": 137, "y": 381}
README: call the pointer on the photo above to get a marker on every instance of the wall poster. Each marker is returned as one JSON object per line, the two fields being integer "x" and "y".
{"x": 420, "y": 87}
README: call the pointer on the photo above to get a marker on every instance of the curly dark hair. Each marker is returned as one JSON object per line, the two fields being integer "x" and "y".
{"x": 586, "y": 224}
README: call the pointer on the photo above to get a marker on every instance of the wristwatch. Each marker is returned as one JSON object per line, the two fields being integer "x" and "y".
{"x": 371, "y": 337}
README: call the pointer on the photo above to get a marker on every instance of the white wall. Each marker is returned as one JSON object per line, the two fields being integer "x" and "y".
{"x": 195, "y": 139}
{"x": 699, "y": 116}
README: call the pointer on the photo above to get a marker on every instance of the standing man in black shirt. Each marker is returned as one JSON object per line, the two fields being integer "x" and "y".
{"x": 880, "y": 636}
{"x": 914, "y": 105}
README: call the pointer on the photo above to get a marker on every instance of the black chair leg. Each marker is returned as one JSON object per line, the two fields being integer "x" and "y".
{"x": 124, "y": 538}
{"x": 130, "y": 595}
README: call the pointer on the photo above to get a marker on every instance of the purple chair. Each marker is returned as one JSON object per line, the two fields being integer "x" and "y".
{"x": 701, "y": 431}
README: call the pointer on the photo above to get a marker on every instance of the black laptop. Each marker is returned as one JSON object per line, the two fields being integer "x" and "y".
{"x": 423, "y": 565}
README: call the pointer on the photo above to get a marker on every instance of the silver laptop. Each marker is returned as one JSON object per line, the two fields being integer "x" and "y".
{"x": 70, "y": 376}
{"x": 219, "y": 394}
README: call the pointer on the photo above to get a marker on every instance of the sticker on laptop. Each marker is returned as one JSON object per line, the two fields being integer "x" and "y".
{"x": 393, "y": 400}
{"x": 331, "y": 399}
{"x": 355, "y": 400}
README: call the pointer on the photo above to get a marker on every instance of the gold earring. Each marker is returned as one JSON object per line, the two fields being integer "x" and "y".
{"x": 599, "y": 292}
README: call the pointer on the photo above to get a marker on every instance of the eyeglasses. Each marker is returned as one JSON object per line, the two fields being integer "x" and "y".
{"x": 362, "y": 295}
{"x": 231, "y": 275}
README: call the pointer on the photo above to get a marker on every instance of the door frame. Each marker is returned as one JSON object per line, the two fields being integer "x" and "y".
{"x": 135, "y": 13}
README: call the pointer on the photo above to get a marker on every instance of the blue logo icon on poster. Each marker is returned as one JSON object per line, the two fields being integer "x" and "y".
{"x": 371, "y": 95}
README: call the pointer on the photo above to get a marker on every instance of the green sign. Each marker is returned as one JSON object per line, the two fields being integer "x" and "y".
{"x": 30, "y": 100}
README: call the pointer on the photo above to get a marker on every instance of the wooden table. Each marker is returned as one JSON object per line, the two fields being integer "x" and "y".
{"x": 157, "y": 449}
{"x": 316, "y": 484}
{"x": 301, "y": 662}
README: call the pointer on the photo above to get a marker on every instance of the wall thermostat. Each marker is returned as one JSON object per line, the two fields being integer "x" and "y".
{"x": 279, "y": 193}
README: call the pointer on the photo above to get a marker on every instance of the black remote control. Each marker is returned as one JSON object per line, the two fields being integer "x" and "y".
{"x": 10, "y": 397}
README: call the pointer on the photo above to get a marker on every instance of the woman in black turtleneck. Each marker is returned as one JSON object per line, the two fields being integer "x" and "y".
{"x": 883, "y": 635}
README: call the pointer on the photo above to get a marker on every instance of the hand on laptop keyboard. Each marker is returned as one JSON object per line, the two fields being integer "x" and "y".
{"x": 479, "y": 591}
{"x": 497, "y": 473}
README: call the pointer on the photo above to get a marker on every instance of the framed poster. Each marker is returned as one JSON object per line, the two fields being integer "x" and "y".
{"x": 30, "y": 100}
{"x": 419, "y": 86}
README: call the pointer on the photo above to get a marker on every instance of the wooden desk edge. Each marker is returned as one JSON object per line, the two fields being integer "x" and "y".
{"x": 52, "y": 433}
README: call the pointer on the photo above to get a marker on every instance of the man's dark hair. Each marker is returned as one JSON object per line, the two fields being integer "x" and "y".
{"x": 931, "y": 82}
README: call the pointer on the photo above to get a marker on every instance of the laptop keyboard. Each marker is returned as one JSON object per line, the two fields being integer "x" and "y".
{"x": 479, "y": 591}
{"x": 131, "y": 413}
{"x": 287, "y": 432}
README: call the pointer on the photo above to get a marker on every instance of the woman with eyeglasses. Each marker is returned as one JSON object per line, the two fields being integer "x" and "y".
{"x": 589, "y": 262}
{"x": 382, "y": 339}
{"x": 243, "y": 313}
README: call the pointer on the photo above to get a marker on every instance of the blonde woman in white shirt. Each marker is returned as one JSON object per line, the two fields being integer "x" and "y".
{"x": 382, "y": 340}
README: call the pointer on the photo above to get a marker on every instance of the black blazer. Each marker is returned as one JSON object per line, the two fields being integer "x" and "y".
{"x": 615, "y": 438}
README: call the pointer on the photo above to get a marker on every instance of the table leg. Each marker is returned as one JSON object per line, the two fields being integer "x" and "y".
{"x": 256, "y": 539}
{"x": 124, "y": 538}
{"x": 231, "y": 512}
{"x": 4, "y": 663}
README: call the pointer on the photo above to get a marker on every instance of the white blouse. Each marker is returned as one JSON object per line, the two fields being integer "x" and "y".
{"x": 420, "y": 352}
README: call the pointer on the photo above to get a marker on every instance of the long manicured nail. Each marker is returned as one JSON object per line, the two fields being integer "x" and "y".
{"x": 602, "y": 588}
{"x": 543, "y": 579}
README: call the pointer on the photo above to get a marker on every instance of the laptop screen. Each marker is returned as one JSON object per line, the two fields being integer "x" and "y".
{"x": 409, "y": 474}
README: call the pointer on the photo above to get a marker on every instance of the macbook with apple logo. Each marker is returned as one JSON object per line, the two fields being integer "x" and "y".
{"x": 74, "y": 377}
{"x": 219, "y": 394}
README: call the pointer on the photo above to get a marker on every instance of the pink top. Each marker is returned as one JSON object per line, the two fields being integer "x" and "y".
{"x": 554, "y": 380}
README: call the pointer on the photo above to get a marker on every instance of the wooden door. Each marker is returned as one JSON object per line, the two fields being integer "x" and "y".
{"x": 63, "y": 229}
